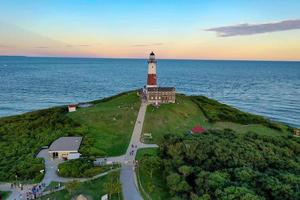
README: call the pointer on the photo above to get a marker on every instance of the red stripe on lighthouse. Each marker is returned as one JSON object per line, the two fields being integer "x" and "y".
{"x": 151, "y": 79}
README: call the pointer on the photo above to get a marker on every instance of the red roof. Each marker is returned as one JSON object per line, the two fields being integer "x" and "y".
{"x": 72, "y": 106}
{"x": 198, "y": 129}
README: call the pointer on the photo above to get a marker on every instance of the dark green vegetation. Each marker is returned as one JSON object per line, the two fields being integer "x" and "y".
{"x": 4, "y": 194}
{"x": 53, "y": 185}
{"x": 93, "y": 189}
{"x": 21, "y": 138}
{"x": 181, "y": 117}
{"x": 151, "y": 181}
{"x": 82, "y": 168}
{"x": 106, "y": 128}
{"x": 215, "y": 111}
{"x": 227, "y": 165}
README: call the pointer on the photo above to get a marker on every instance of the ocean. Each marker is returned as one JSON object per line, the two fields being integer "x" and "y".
{"x": 271, "y": 89}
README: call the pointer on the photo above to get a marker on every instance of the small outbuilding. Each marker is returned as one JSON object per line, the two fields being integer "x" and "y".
{"x": 72, "y": 108}
{"x": 296, "y": 132}
{"x": 197, "y": 129}
{"x": 65, "y": 148}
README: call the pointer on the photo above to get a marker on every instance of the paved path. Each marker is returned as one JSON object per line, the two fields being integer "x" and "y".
{"x": 50, "y": 175}
{"x": 128, "y": 175}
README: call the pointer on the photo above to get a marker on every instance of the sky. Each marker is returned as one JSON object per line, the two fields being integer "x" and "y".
{"x": 180, "y": 29}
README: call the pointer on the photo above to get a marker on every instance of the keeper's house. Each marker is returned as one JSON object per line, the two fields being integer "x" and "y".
{"x": 158, "y": 95}
{"x": 65, "y": 148}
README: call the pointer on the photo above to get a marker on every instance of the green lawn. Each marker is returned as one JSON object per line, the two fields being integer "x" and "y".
{"x": 175, "y": 118}
{"x": 106, "y": 129}
{"x": 180, "y": 117}
{"x": 93, "y": 189}
{"x": 160, "y": 190}
{"x": 108, "y": 125}
{"x": 4, "y": 194}
{"x": 53, "y": 185}
{"x": 80, "y": 168}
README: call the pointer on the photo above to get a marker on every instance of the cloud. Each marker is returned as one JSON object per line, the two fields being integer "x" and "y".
{"x": 147, "y": 45}
{"x": 78, "y": 45}
{"x": 42, "y": 47}
{"x": 251, "y": 29}
{"x": 5, "y": 46}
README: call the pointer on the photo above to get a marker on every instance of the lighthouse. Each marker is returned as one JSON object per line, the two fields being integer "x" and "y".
{"x": 153, "y": 94}
{"x": 151, "y": 80}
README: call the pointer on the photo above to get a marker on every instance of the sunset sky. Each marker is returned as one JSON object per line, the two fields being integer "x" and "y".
{"x": 191, "y": 29}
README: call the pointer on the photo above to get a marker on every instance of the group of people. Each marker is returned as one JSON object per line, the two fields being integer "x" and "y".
{"x": 33, "y": 193}
{"x": 17, "y": 186}
{"x": 132, "y": 150}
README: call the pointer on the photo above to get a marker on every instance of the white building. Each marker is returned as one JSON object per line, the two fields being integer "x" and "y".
{"x": 65, "y": 148}
{"x": 72, "y": 108}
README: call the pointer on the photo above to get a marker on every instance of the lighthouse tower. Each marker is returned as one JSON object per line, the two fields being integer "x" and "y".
{"x": 151, "y": 81}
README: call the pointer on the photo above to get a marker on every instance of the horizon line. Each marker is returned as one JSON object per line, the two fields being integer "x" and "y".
{"x": 139, "y": 58}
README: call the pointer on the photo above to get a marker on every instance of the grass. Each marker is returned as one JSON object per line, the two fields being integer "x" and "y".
{"x": 93, "y": 189}
{"x": 80, "y": 168}
{"x": 175, "y": 118}
{"x": 53, "y": 185}
{"x": 181, "y": 117}
{"x": 108, "y": 125}
{"x": 106, "y": 128}
{"x": 160, "y": 189}
{"x": 4, "y": 194}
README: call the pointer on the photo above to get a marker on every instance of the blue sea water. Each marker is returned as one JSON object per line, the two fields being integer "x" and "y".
{"x": 271, "y": 89}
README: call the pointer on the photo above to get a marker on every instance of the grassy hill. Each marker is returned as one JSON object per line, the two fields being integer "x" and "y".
{"x": 106, "y": 128}
{"x": 181, "y": 117}
{"x": 240, "y": 156}
{"x": 108, "y": 124}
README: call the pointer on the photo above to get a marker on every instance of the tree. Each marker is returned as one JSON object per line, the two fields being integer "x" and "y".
{"x": 72, "y": 186}
{"x": 229, "y": 165}
{"x": 113, "y": 184}
{"x": 117, "y": 184}
{"x": 185, "y": 170}
{"x": 173, "y": 180}
{"x": 232, "y": 193}
{"x": 151, "y": 163}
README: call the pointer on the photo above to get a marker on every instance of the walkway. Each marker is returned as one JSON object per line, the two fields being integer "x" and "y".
{"x": 128, "y": 176}
{"x": 50, "y": 176}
